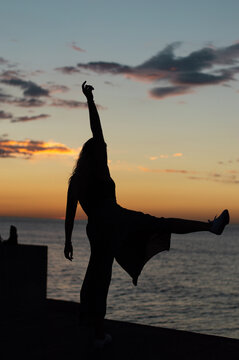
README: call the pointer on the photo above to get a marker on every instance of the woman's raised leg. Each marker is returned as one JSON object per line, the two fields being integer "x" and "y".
{"x": 181, "y": 226}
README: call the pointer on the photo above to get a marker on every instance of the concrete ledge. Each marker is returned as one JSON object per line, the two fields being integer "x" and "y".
{"x": 23, "y": 274}
{"x": 52, "y": 332}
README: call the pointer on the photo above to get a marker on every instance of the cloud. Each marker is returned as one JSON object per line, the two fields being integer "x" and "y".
{"x": 197, "y": 78}
{"x": 4, "y": 115}
{"x": 25, "y": 149}
{"x": 37, "y": 72}
{"x": 182, "y": 73}
{"x": 102, "y": 67}
{"x": 217, "y": 178}
{"x": 36, "y": 92}
{"x": 3, "y": 96}
{"x": 177, "y": 171}
{"x": 56, "y": 89}
{"x": 75, "y": 47}
{"x": 72, "y": 104}
{"x": 165, "y": 156}
{"x": 166, "y": 91}
{"x": 153, "y": 158}
{"x": 3, "y": 61}
{"x": 233, "y": 171}
{"x": 22, "y": 102}
{"x": 8, "y": 74}
{"x": 30, "y": 118}
{"x": 226, "y": 162}
{"x": 31, "y": 102}
{"x": 230, "y": 177}
{"x": 29, "y": 87}
{"x": 68, "y": 70}
{"x": 109, "y": 83}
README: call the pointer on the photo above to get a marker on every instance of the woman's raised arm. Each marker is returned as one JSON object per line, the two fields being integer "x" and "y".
{"x": 95, "y": 124}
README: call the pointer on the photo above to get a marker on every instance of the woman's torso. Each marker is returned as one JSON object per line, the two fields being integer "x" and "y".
{"x": 97, "y": 185}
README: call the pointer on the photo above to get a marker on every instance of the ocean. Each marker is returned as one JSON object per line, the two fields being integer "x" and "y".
{"x": 194, "y": 286}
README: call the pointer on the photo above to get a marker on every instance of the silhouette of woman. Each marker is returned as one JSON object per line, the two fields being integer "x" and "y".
{"x": 130, "y": 237}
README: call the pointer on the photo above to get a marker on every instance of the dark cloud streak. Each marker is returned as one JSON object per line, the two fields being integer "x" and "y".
{"x": 68, "y": 70}
{"x": 21, "y": 102}
{"x": 29, "y": 87}
{"x": 181, "y": 72}
{"x": 72, "y": 104}
{"x": 30, "y": 118}
{"x": 163, "y": 92}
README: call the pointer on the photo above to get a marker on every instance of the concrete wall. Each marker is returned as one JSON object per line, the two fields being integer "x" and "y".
{"x": 23, "y": 274}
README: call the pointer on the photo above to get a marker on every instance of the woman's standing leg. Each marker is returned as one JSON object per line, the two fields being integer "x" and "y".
{"x": 94, "y": 291}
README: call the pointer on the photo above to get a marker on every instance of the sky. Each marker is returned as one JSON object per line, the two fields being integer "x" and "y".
{"x": 166, "y": 84}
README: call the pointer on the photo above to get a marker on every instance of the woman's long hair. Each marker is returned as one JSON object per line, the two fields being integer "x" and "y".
{"x": 85, "y": 162}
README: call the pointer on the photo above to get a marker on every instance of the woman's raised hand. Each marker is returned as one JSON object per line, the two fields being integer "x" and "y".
{"x": 87, "y": 91}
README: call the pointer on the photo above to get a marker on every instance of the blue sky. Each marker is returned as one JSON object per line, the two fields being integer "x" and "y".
{"x": 142, "y": 131}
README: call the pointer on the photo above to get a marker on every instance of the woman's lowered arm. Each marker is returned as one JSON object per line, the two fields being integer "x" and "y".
{"x": 95, "y": 124}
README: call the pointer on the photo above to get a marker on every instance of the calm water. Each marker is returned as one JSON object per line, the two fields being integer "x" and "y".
{"x": 194, "y": 286}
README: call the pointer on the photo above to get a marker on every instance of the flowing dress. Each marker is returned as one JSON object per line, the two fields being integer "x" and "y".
{"x": 133, "y": 236}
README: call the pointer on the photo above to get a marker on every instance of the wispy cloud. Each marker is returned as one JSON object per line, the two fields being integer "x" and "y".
{"x": 4, "y": 115}
{"x": 165, "y": 156}
{"x": 221, "y": 178}
{"x": 152, "y": 158}
{"x": 177, "y": 171}
{"x": 57, "y": 89}
{"x": 229, "y": 177}
{"x": 109, "y": 83}
{"x": 25, "y": 149}
{"x": 71, "y": 104}
{"x": 68, "y": 70}
{"x": 3, "y": 61}
{"x": 22, "y": 102}
{"x": 74, "y": 46}
{"x": 8, "y": 116}
{"x": 30, "y": 118}
{"x": 178, "y": 154}
{"x": 4, "y": 96}
{"x": 32, "y": 102}
{"x": 206, "y": 66}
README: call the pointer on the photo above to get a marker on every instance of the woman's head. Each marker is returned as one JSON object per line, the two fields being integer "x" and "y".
{"x": 86, "y": 159}
{"x": 88, "y": 150}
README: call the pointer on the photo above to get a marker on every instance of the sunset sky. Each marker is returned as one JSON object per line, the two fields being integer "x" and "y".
{"x": 166, "y": 79}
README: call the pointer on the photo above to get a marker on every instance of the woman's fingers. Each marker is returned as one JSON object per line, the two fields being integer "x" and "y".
{"x": 68, "y": 252}
{"x": 83, "y": 86}
{"x": 86, "y": 87}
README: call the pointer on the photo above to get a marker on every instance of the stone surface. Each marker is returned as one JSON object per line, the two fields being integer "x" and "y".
{"x": 51, "y": 331}
{"x": 23, "y": 274}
